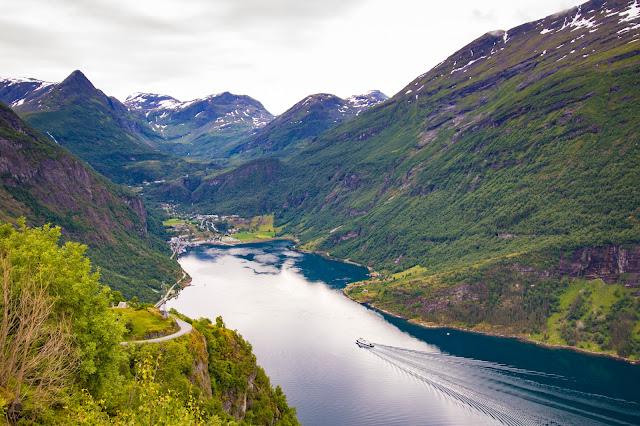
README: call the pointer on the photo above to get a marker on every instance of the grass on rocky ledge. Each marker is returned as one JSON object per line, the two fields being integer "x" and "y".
{"x": 143, "y": 322}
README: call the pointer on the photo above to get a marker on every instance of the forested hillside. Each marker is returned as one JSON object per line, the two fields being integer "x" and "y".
{"x": 516, "y": 152}
{"x": 61, "y": 361}
{"x": 46, "y": 184}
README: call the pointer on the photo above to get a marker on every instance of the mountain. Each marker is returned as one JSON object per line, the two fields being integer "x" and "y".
{"x": 231, "y": 127}
{"x": 304, "y": 121}
{"x": 205, "y": 128}
{"x": 95, "y": 127}
{"x": 46, "y": 184}
{"x": 488, "y": 185}
{"x": 488, "y": 142}
{"x": 16, "y": 91}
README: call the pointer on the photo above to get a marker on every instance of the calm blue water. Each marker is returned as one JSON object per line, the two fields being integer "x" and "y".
{"x": 290, "y": 307}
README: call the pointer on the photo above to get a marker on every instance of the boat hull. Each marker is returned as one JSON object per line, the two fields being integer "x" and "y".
{"x": 363, "y": 343}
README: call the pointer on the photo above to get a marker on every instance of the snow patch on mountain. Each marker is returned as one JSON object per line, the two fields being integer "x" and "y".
{"x": 366, "y": 101}
{"x": 11, "y": 81}
{"x": 150, "y": 102}
{"x": 632, "y": 13}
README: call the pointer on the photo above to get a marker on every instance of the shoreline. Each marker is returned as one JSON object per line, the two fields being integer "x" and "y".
{"x": 505, "y": 336}
{"x": 293, "y": 240}
{"x": 326, "y": 255}
{"x": 421, "y": 324}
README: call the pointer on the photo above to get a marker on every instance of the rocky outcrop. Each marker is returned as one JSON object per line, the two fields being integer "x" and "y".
{"x": 200, "y": 368}
{"x": 234, "y": 400}
{"x": 612, "y": 264}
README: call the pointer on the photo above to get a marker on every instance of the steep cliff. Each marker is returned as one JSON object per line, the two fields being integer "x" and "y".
{"x": 242, "y": 385}
{"x": 217, "y": 366}
{"x": 611, "y": 264}
{"x": 46, "y": 184}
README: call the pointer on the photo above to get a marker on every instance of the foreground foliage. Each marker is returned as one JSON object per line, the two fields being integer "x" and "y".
{"x": 61, "y": 361}
{"x": 56, "y": 332}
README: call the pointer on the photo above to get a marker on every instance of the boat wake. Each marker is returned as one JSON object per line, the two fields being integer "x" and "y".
{"x": 505, "y": 394}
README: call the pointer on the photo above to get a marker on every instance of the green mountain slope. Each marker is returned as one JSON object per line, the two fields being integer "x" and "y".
{"x": 516, "y": 152}
{"x": 297, "y": 127}
{"x": 44, "y": 183}
{"x": 97, "y": 128}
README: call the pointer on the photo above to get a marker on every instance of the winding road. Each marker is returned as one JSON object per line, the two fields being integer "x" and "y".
{"x": 185, "y": 328}
{"x": 166, "y": 296}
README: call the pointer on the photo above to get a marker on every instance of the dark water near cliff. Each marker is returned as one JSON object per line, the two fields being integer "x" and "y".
{"x": 302, "y": 329}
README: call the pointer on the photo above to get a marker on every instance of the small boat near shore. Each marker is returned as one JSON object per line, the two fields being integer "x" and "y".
{"x": 363, "y": 343}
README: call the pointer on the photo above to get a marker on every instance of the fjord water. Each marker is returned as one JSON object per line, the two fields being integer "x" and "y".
{"x": 302, "y": 328}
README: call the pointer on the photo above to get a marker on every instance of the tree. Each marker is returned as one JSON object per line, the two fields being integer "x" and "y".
{"x": 35, "y": 350}
{"x": 55, "y": 325}
{"x": 116, "y": 297}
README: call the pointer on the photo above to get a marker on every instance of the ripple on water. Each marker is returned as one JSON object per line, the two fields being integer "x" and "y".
{"x": 302, "y": 331}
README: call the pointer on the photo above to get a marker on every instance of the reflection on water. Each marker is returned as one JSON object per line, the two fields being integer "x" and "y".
{"x": 290, "y": 307}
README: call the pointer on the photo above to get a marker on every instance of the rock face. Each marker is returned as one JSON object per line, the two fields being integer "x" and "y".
{"x": 51, "y": 182}
{"x": 234, "y": 400}
{"x": 611, "y": 264}
{"x": 46, "y": 184}
{"x": 200, "y": 369}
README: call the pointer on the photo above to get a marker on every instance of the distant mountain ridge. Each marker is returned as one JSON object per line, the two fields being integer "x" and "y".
{"x": 205, "y": 128}
{"x": 306, "y": 120}
{"x": 215, "y": 105}
{"x": 223, "y": 126}
{"x": 227, "y": 126}
{"x": 16, "y": 91}
{"x": 97, "y": 128}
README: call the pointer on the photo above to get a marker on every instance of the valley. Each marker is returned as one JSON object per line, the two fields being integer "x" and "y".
{"x": 194, "y": 230}
{"x": 465, "y": 191}
{"x": 498, "y": 193}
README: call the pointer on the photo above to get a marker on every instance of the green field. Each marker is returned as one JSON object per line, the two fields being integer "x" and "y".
{"x": 140, "y": 323}
{"x": 595, "y": 316}
{"x": 176, "y": 221}
{"x": 260, "y": 228}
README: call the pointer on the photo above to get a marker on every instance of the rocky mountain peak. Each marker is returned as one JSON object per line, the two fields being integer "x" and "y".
{"x": 77, "y": 83}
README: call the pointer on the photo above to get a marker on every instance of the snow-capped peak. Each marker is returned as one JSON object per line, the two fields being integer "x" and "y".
{"x": 11, "y": 81}
{"x": 369, "y": 99}
{"x": 150, "y": 101}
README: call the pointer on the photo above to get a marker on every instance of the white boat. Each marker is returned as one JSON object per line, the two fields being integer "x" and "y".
{"x": 363, "y": 343}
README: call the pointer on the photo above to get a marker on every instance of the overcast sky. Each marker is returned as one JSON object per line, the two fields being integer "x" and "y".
{"x": 276, "y": 51}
